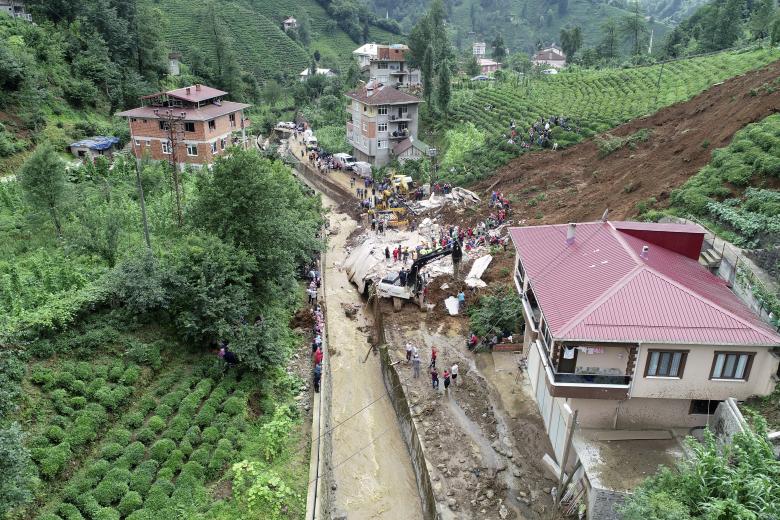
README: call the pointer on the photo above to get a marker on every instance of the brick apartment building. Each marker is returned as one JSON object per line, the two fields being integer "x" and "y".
{"x": 387, "y": 64}
{"x": 197, "y": 119}
{"x": 378, "y": 119}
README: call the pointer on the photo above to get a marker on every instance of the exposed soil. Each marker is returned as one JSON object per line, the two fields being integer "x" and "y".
{"x": 578, "y": 185}
{"x": 485, "y": 449}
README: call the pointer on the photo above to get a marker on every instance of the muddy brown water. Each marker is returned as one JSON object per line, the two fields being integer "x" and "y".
{"x": 372, "y": 470}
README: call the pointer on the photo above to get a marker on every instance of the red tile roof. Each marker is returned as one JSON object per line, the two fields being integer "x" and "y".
{"x": 382, "y": 95}
{"x": 196, "y": 95}
{"x": 191, "y": 114}
{"x": 600, "y": 289}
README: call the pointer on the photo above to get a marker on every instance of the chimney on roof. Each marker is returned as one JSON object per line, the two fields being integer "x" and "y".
{"x": 570, "y": 233}
{"x": 188, "y": 91}
{"x": 197, "y": 87}
{"x": 645, "y": 252}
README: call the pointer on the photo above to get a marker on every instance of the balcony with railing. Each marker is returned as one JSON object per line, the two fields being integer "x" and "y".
{"x": 588, "y": 371}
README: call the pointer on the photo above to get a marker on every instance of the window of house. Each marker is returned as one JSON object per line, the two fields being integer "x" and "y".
{"x": 731, "y": 365}
{"x": 380, "y": 144}
{"x": 192, "y": 150}
{"x": 222, "y": 143}
{"x": 365, "y": 126}
{"x": 212, "y": 125}
{"x": 148, "y": 144}
{"x": 382, "y": 127}
{"x": 189, "y": 126}
{"x": 163, "y": 125}
{"x": 382, "y": 110}
{"x": 403, "y": 109}
{"x": 232, "y": 118}
{"x": 703, "y": 406}
{"x": 666, "y": 363}
{"x": 138, "y": 142}
{"x": 166, "y": 147}
{"x": 382, "y": 65}
{"x": 214, "y": 147}
{"x": 133, "y": 120}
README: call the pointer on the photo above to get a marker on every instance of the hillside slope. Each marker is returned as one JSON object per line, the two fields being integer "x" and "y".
{"x": 577, "y": 184}
{"x": 253, "y": 28}
{"x": 592, "y": 101}
{"x": 520, "y": 22}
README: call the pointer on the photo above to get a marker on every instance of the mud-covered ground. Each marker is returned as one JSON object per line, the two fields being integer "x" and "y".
{"x": 483, "y": 437}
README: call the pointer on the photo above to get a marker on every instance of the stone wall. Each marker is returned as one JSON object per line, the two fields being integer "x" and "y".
{"x": 409, "y": 433}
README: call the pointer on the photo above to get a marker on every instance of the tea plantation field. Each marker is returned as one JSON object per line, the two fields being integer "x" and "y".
{"x": 254, "y": 32}
{"x": 738, "y": 190}
{"x": 142, "y": 434}
{"x": 592, "y": 101}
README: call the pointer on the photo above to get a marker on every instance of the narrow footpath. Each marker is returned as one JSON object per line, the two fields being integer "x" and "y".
{"x": 373, "y": 474}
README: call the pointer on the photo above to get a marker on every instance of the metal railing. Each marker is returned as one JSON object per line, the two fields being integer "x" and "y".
{"x": 591, "y": 379}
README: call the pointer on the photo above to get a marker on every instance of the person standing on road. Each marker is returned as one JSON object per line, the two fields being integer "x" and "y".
{"x": 408, "y": 352}
{"x": 387, "y": 249}
{"x": 434, "y": 378}
{"x": 454, "y": 372}
{"x": 434, "y": 353}
{"x": 318, "y": 356}
{"x": 416, "y": 365}
{"x": 461, "y": 301}
{"x": 415, "y": 351}
{"x": 446, "y": 380}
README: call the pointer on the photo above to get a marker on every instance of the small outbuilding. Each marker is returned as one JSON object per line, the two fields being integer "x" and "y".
{"x": 410, "y": 149}
{"x": 290, "y": 23}
{"x": 93, "y": 146}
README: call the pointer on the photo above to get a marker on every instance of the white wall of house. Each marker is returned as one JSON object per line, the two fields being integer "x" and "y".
{"x": 695, "y": 382}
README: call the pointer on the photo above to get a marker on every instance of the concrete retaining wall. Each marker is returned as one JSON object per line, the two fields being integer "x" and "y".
{"x": 409, "y": 432}
{"x": 727, "y": 421}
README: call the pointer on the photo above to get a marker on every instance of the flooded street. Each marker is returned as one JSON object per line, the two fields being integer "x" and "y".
{"x": 372, "y": 470}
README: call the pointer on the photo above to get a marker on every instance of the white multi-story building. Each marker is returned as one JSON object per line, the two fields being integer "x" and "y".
{"x": 379, "y": 118}
{"x": 387, "y": 64}
{"x": 479, "y": 49}
{"x": 15, "y": 9}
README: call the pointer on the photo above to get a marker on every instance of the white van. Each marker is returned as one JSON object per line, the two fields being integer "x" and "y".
{"x": 311, "y": 143}
{"x": 345, "y": 160}
{"x": 363, "y": 169}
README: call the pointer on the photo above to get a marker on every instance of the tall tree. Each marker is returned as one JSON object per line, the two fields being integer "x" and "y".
{"x": 761, "y": 19}
{"x": 444, "y": 91}
{"x": 239, "y": 201}
{"x": 272, "y": 92}
{"x": 634, "y": 28}
{"x": 608, "y": 48}
{"x": 42, "y": 177}
{"x": 150, "y": 51}
{"x": 472, "y": 66}
{"x": 571, "y": 41}
{"x": 427, "y": 74}
{"x": 17, "y": 471}
{"x": 520, "y": 62}
{"x": 499, "y": 48}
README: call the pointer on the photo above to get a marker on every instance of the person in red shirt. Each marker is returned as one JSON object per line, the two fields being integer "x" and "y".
{"x": 434, "y": 353}
{"x": 318, "y": 356}
{"x": 473, "y": 340}
{"x": 446, "y": 375}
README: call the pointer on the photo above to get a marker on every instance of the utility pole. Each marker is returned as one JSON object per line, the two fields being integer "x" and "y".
{"x": 174, "y": 124}
{"x": 140, "y": 191}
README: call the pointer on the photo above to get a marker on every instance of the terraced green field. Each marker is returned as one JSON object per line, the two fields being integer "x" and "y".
{"x": 592, "y": 101}
{"x": 601, "y": 99}
{"x": 255, "y": 34}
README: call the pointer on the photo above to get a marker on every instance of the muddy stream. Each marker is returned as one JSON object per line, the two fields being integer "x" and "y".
{"x": 373, "y": 473}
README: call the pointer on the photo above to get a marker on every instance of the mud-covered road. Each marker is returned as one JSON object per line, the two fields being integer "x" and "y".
{"x": 371, "y": 467}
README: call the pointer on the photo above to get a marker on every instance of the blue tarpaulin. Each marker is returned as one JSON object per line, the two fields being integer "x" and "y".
{"x": 99, "y": 142}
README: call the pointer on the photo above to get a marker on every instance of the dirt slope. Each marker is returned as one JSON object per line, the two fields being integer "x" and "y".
{"x": 578, "y": 185}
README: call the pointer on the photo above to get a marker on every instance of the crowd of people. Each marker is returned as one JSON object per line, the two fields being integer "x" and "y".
{"x": 539, "y": 133}
{"x": 316, "y": 346}
{"x": 448, "y": 376}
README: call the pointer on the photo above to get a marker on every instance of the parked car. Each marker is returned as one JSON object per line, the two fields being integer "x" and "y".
{"x": 550, "y": 71}
{"x": 286, "y": 124}
{"x": 481, "y": 77}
